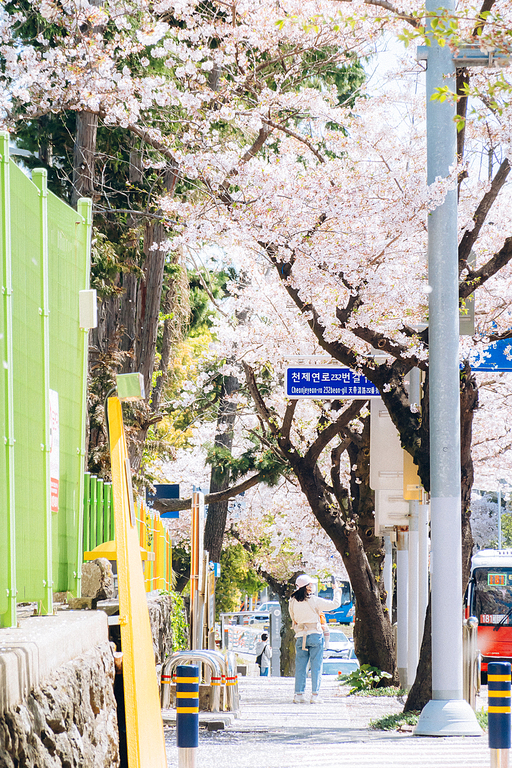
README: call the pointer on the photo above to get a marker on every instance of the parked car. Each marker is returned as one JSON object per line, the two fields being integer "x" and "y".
{"x": 338, "y": 642}
{"x": 266, "y": 608}
{"x": 340, "y": 665}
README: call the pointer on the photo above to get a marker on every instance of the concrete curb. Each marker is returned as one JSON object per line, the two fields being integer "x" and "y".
{"x": 41, "y": 644}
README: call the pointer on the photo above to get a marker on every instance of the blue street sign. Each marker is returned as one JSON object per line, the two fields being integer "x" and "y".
{"x": 496, "y": 357}
{"x": 327, "y": 383}
{"x": 165, "y": 491}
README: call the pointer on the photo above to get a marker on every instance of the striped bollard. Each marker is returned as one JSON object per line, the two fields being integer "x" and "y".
{"x": 498, "y": 679}
{"x": 187, "y": 714}
{"x": 165, "y": 689}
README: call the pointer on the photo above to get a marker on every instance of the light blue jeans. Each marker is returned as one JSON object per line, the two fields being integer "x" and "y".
{"x": 314, "y": 653}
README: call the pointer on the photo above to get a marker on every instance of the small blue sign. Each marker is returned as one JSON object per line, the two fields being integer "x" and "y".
{"x": 165, "y": 491}
{"x": 496, "y": 357}
{"x": 327, "y": 383}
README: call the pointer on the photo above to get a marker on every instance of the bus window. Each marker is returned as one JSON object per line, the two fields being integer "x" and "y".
{"x": 492, "y": 595}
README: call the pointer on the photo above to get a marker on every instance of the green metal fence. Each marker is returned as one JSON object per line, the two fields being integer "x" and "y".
{"x": 45, "y": 251}
{"x": 155, "y": 539}
{"x": 98, "y": 512}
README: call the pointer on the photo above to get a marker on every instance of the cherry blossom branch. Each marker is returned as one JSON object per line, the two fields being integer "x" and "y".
{"x": 299, "y": 137}
{"x": 470, "y": 236}
{"x": 478, "y": 278}
{"x": 462, "y": 83}
{"x": 266, "y": 416}
{"x": 389, "y": 7}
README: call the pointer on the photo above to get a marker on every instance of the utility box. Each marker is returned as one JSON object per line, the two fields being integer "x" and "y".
{"x": 386, "y": 455}
{"x": 386, "y": 470}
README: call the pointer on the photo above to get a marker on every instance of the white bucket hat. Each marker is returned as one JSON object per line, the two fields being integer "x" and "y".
{"x": 303, "y": 581}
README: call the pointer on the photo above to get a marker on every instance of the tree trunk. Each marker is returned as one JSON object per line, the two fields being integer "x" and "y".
{"x": 284, "y": 590}
{"x": 83, "y": 156}
{"x": 220, "y": 479}
{"x": 373, "y": 635}
{"x": 421, "y": 691}
{"x": 176, "y": 308}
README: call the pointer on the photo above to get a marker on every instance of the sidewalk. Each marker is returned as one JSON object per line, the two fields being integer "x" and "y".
{"x": 271, "y": 732}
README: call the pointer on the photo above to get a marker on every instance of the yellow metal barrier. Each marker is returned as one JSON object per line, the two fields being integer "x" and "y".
{"x": 156, "y": 541}
{"x": 144, "y": 728}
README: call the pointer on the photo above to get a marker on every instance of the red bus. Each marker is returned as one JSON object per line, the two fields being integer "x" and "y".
{"x": 489, "y": 599}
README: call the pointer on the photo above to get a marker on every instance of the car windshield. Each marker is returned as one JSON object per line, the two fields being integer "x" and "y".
{"x": 337, "y": 637}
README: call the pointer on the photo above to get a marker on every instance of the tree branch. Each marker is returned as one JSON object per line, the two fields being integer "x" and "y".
{"x": 177, "y": 505}
{"x": 478, "y": 278}
{"x": 262, "y": 409}
{"x": 298, "y": 136}
{"x": 470, "y": 236}
{"x": 288, "y": 418}
{"x": 329, "y": 433}
{"x": 336, "y": 455}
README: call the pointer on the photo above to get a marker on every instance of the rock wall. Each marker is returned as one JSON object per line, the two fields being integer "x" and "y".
{"x": 69, "y": 720}
{"x": 160, "y": 610}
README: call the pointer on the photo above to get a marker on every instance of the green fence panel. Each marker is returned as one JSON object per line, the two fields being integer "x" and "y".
{"x": 109, "y": 511}
{"x": 7, "y": 497}
{"x": 44, "y": 263}
{"x": 31, "y": 384}
{"x": 94, "y": 511}
{"x": 100, "y": 538}
{"x": 87, "y": 512}
{"x": 68, "y": 271}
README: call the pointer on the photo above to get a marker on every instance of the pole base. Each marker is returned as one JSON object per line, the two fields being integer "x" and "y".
{"x": 453, "y": 717}
{"x": 187, "y": 757}
{"x": 499, "y": 758}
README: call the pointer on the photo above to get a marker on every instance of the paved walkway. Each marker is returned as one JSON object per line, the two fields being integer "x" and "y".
{"x": 271, "y": 732}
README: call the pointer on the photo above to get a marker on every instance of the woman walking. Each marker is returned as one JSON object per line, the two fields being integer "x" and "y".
{"x": 305, "y": 609}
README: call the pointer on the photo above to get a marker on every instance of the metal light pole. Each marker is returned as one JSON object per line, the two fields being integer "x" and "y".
{"x": 499, "y": 518}
{"x": 402, "y": 609}
{"x": 447, "y": 713}
{"x": 388, "y": 575}
{"x": 415, "y": 620}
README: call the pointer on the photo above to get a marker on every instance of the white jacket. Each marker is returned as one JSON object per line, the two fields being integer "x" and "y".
{"x": 306, "y": 615}
{"x": 263, "y": 645}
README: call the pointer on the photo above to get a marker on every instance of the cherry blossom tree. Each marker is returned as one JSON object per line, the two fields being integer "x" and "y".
{"x": 326, "y": 201}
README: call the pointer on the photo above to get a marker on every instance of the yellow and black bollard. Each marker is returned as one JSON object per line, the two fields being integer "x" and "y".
{"x": 498, "y": 678}
{"x": 187, "y": 714}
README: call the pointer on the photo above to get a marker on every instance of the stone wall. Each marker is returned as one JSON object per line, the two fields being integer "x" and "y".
{"x": 68, "y": 720}
{"x": 57, "y": 704}
{"x": 160, "y": 610}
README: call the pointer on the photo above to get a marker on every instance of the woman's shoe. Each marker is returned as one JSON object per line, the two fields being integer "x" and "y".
{"x": 315, "y": 699}
{"x": 299, "y": 698}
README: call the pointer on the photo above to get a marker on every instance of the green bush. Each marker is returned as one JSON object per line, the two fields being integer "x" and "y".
{"x": 389, "y": 690}
{"x": 392, "y": 722}
{"x": 364, "y": 679}
{"x": 179, "y": 626}
{"x": 482, "y": 718}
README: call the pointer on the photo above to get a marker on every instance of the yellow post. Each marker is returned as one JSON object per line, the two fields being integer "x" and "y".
{"x": 160, "y": 555}
{"x": 144, "y": 728}
{"x": 412, "y": 482}
{"x": 169, "y": 566}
